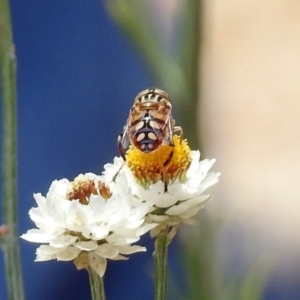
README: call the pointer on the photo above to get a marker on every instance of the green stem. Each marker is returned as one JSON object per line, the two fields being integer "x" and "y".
{"x": 97, "y": 285}
{"x": 9, "y": 242}
{"x": 161, "y": 265}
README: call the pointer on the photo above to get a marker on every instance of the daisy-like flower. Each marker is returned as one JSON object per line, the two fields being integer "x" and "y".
{"x": 88, "y": 220}
{"x": 176, "y": 191}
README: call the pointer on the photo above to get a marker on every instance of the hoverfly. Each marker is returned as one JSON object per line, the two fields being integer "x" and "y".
{"x": 149, "y": 124}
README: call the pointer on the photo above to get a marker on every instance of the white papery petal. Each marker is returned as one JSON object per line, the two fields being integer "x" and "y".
{"x": 58, "y": 190}
{"x": 108, "y": 251}
{"x": 121, "y": 240}
{"x": 119, "y": 209}
{"x": 211, "y": 179}
{"x": 69, "y": 253}
{"x": 139, "y": 212}
{"x": 185, "y": 205}
{"x": 95, "y": 232}
{"x": 86, "y": 245}
{"x": 37, "y": 236}
{"x": 96, "y": 205}
{"x": 40, "y": 200}
{"x": 120, "y": 257}
{"x": 190, "y": 212}
{"x": 132, "y": 225}
{"x": 98, "y": 263}
{"x": 110, "y": 170}
{"x": 63, "y": 241}
{"x": 45, "y": 252}
{"x": 72, "y": 217}
{"x": 122, "y": 231}
{"x": 131, "y": 249}
{"x": 45, "y": 221}
{"x": 145, "y": 228}
{"x": 154, "y": 195}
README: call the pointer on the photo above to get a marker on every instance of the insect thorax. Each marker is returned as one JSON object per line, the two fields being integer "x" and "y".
{"x": 153, "y": 95}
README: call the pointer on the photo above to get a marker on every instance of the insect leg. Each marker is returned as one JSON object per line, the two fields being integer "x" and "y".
{"x": 169, "y": 158}
{"x": 178, "y": 131}
{"x": 164, "y": 171}
{"x": 120, "y": 146}
{"x": 122, "y": 151}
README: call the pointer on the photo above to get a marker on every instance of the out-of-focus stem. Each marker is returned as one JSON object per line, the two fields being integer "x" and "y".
{"x": 9, "y": 241}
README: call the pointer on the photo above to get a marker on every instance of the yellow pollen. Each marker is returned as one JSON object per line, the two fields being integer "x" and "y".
{"x": 83, "y": 189}
{"x": 167, "y": 163}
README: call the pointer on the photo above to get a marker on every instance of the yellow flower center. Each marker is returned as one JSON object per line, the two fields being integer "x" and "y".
{"x": 167, "y": 163}
{"x": 82, "y": 189}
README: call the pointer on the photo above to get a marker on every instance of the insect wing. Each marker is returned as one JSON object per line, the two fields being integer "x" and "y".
{"x": 168, "y": 135}
{"x": 162, "y": 125}
{"x": 124, "y": 139}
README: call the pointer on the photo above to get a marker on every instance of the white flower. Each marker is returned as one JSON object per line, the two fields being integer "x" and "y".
{"x": 177, "y": 190}
{"x": 182, "y": 199}
{"x": 88, "y": 220}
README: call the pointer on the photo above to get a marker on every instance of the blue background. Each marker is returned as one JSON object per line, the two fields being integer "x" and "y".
{"x": 77, "y": 77}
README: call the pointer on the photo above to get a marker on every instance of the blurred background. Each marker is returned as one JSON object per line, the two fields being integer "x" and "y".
{"x": 232, "y": 68}
{"x": 250, "y": 122}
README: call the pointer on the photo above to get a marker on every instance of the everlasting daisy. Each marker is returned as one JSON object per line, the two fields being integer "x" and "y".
{"x": 176, "y": 191}
{"x": 88, "y": 220}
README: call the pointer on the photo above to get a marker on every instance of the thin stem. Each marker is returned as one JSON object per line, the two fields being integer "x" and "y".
{"x": 9, "y": 241}
{"x": 97, "y": 285}
{"x": 161, "y": 265}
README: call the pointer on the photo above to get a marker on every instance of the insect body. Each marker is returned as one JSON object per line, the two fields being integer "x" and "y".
{"x": 150, "y": 123}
